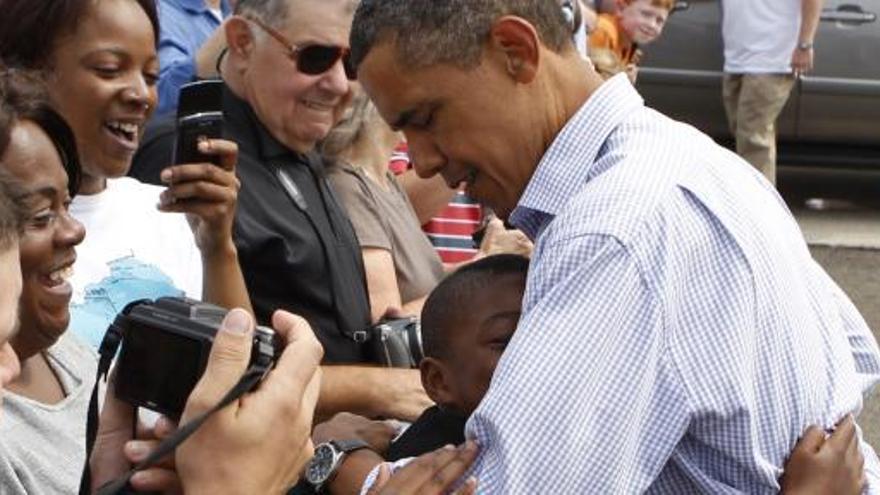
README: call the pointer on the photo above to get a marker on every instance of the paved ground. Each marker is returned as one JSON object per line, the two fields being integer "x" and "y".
{"x": 846, "y": 241}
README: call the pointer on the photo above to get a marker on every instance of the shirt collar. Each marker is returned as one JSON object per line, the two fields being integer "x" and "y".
{"x": 199, "y": 7}
{"x": 566, "y": 166}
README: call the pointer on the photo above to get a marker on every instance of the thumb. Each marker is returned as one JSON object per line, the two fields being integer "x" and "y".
{"x": 493, "y": 228}
{"x": 812, "y": 440}
{"x": 230, "y": 356}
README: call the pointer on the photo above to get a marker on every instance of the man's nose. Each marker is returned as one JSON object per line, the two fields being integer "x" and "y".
{"x": 426, "y": 158}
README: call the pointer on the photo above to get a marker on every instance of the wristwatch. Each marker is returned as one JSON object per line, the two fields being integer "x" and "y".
{"x": 805, "y": 46}
{"x": 323, "y": 466}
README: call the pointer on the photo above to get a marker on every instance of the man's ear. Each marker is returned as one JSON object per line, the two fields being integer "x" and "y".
{"x": 436, "y": 382}
{"x": 519, "y": 42}
{"x": 239, "y": 37}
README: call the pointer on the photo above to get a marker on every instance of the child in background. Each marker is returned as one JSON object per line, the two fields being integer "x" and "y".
{"x": 635, "y": 23}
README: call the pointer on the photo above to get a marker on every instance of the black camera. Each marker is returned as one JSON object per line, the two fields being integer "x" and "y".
{"x": 397, "y": 343}
{"x": 165, "y": 348}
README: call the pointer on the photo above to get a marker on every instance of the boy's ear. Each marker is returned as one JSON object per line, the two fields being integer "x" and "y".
{"x": 435, "y": 379}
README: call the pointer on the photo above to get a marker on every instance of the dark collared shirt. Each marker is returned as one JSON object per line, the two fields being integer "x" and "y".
{"x": 297, "y": 253}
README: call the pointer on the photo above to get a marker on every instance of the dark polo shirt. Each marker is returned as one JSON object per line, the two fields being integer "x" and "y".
{"x": 296, "y": 246}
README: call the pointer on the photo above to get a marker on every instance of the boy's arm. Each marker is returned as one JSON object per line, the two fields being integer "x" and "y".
{"x": 826, "y": 465}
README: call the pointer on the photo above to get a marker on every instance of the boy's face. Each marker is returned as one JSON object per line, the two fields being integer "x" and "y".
{"x": 477, "y": 338}
{"x": 642, "y": 21}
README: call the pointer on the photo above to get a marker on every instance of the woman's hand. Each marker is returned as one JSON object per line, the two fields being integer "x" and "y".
{"x": 207, "y": 193}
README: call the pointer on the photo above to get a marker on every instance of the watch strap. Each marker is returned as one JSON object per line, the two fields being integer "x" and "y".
{"x": 805, "y": 46}
{"x": 347, "y": 446}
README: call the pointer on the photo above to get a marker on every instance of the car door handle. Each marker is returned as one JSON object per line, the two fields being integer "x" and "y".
{"x": 848, "y": 14}
{"x": 681, "y": 5}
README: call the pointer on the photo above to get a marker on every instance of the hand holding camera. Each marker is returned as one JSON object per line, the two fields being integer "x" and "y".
{"x": 266, "y": 433}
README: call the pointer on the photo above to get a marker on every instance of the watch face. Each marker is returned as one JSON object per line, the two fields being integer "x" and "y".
{"x": 321, "y": 465}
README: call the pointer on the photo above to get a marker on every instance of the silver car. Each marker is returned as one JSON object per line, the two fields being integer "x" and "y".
{"x": 833, "y": 116}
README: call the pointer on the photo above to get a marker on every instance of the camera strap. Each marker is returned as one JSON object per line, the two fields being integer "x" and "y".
{"x": 107, "y": 351}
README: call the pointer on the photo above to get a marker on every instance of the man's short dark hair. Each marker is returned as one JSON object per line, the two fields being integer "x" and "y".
{"x": 30, "y": 29}
{"x": 428, "y": 32}
{"x": 454, "y": 294}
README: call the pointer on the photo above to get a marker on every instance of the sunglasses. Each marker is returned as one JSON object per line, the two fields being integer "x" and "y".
{"x": 313, "y": 59}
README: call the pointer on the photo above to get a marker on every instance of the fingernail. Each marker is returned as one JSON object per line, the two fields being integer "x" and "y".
{"x": 166, "y": 176}
{"x": 136, "y": 450}
{"x": 204, "y": 144}
{"x": 238, "y": 321}
{"x": 140, "y": 478}
{"x": 449, "y": 446}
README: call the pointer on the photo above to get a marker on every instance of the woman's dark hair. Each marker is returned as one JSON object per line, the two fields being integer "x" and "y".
{"x": 23, "y": 98}
{"x": 29, "y": 29}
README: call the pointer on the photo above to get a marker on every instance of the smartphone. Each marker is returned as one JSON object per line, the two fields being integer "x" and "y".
{"x": 199, "y": 113}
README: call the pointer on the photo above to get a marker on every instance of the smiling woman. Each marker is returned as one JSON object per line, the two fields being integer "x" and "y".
{"x": 50, "y": 397}
{"x": 100, "y": 63}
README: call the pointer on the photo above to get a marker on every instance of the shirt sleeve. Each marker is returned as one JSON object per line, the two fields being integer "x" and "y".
{"x": 585, "y": 398}
{"x": 362, "y": 209}
{"x": 603, "y": 36}
{"x": 177, "y": 66}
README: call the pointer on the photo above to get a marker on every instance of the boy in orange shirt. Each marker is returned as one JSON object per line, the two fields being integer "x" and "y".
{"x": 636, "y": 22}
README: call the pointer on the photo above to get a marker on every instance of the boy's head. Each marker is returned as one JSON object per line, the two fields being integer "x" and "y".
{"x": 467, "y": 322}
{"x": 643, "y": 20}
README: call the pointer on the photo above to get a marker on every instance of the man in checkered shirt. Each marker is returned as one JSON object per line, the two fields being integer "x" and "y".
{"x": 676, "y": 335}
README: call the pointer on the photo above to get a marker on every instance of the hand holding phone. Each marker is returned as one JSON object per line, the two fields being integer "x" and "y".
{"x": 199, "y": 116}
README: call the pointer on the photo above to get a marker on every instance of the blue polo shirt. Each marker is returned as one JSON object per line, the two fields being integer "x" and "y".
{"x": 184, "y": 26}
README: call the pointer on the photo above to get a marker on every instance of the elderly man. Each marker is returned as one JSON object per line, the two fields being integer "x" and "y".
{"x": 676, "y": 336}
{"x": 286, "y": 86}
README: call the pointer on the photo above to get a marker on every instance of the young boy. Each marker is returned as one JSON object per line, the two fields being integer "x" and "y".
{"x": 635, "y": 23}
{"x": 467, "y": 322}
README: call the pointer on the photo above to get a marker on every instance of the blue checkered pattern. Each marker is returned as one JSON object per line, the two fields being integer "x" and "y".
{"x": 676, "y": 336}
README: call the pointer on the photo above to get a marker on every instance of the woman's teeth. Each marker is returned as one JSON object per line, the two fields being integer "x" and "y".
{"x": 62, "y": 275}
{"x": 128, "y": 131}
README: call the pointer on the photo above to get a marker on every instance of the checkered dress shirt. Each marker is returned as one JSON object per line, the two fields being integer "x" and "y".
{"x": 676, "y": 335}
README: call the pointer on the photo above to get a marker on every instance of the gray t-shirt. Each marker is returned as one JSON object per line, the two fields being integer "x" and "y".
{"x": 385, "y": 219}
{"x": 42, "y": 446}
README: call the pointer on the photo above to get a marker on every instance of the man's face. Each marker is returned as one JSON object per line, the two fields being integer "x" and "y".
{"x": 10, "y": 290}
{"x": 642, "y": 21}
{"x": 470, "y": 126}
{"x": 299, "y": 109}
{"x": 478, "y": 338}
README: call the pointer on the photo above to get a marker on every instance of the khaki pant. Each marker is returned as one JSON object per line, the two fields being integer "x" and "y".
{"x": 753, "y": 103}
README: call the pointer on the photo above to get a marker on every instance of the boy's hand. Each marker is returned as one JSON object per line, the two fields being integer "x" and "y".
{"x": 822, "y": 465}
{"x": 430, "y": 474}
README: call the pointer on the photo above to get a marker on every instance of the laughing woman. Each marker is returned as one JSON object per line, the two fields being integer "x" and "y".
{"x": 43, "y": 429}
{"x": 100, "y": 63}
